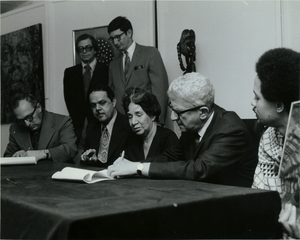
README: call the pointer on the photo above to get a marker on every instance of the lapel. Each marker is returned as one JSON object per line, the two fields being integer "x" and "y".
{"x": 116, "y": 135}
{"x": 119, "y": 68}
{"x": 94, "y": 138}
{"x": 96, "y": 78}
{"x": 78, "y": 77}
{"x": 209, "y": 130}
{"x": 135, "y": 60}
{"x": 47, "y": 130}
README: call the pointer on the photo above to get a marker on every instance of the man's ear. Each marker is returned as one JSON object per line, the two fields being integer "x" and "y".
{"x": 129, "y": 33}
{"x": 39, "y": 106}
{"x": 204, "y": 112}
{"x": 114, "y": 102}
{"x": 279, "y": 107}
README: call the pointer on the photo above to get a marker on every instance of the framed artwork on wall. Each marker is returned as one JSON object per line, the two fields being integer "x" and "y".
{"x": 21, "y": 67}
{"x": 106, "y": 50}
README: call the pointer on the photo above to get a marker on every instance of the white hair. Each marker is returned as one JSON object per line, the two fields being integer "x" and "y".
{"x": 193, "y": 88}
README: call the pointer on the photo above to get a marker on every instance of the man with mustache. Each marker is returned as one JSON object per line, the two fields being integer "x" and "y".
{"x": 39, "y": 133}
{"x": 79, "y": 80}
{"x": 108, "y": 134}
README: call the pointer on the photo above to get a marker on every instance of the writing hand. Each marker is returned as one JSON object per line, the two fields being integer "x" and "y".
{"x": 121, "y": 167}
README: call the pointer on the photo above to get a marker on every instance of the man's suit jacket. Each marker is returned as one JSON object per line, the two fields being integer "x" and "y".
{"x": 146, "y": 71}
{"x": 163, "y": 140}
{"x": 57, "y": 135}
{"x": 121, "y": 133}
{"x": 77, "y": 104}
{"x": 225, "y": 155}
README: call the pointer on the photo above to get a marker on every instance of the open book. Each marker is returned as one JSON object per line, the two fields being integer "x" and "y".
{"x": 77, "y": 174}
{"x": 17, "y": 160}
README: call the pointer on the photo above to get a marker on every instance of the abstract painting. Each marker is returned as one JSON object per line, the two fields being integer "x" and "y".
{"x": 21, "y": 67}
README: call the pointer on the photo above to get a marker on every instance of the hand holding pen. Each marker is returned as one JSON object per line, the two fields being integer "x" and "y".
{"x": 122, "y": 155}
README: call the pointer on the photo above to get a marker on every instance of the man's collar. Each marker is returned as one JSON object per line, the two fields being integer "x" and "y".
{"x": 131, "y": 49}
{"x": 111, "y": 123}
{"x": 92, "y": 64}
{"x": 202, "y": 131}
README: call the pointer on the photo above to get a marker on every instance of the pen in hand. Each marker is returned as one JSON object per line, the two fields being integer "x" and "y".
{"x": 122, "y": 156}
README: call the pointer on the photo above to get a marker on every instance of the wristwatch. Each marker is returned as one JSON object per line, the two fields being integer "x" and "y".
{"x": 47, "y": 153}
{"x": 139, "y": 169}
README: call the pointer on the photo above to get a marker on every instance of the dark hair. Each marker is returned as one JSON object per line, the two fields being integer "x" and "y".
{"x": 147, "y": 101}
{"x": 279, "y": 72}
{"x": 87, "y": 36}
{"x": 107, "y": 89}
{"x": 121, "y": 23}
{"x": 23, "y": 96}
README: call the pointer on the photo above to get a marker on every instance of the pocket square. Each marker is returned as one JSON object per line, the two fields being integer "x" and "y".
{"x": 138, "y": 67}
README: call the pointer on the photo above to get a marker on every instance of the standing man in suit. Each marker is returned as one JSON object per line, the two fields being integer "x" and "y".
{"x": 215, "y": 145}
{"x": 107, "y": 136}
{"x": 139, "y": 66}
{"x": 79, "y": 79}
{"x": 39, "y": 133}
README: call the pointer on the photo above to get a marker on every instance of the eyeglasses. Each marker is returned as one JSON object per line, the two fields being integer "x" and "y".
{"x": 179, "y": 113}
{"x": 87, "y": 48}
{"x": 28, "y": 118}
{"x": 117, "y": 37}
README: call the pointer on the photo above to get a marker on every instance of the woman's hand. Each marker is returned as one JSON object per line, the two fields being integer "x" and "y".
{"x": 288, "y": 218}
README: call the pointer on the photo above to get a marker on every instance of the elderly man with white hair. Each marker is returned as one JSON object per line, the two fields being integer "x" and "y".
{"x": 215, "y": 145}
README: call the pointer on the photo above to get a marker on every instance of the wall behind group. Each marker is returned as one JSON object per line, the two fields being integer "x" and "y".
{"x": 230, "y": 36}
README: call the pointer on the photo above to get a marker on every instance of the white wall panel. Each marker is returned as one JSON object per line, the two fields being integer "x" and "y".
{"x": 230, "y": 36}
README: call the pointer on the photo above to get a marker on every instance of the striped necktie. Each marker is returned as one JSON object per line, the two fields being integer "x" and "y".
{"x": 104, "y": 144}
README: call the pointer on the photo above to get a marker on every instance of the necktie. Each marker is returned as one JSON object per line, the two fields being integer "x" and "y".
{"x": 127, "y": 64}
{"x": 35, "y": 140}
{"x": 87, "y": 78}
{"x": 103, "y": 149}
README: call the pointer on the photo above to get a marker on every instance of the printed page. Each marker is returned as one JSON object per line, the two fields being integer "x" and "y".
{"x": 17, "y": 160}
{"x": 77, "y": 174}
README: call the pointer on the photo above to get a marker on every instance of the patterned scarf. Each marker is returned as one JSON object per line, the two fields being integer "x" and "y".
{"x": 269, "y": 155}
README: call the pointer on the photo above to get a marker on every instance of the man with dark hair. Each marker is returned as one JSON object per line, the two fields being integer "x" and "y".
{"x": 39, "y": 133}
{"x": 108, "y": 134}
{"x": 139, "y": 66}
{"x": 79, "y": 79}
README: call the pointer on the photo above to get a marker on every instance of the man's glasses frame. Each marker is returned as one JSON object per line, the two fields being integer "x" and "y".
{"x": 179, "y": 113}
{"x": 117, "y": 37}
{"x": 87, "y": 48}
{"x": 28, "y": 118}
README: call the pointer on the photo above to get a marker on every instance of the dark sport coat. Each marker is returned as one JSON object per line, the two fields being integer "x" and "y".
{"x": 225, "y": 155}
{"x": 121, "y": 133}
{"x": 77, "y": 104}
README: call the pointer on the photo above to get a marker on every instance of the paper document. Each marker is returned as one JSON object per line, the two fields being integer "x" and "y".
{"x": 17, "y": 160}
{"x": 77, "y": 174}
